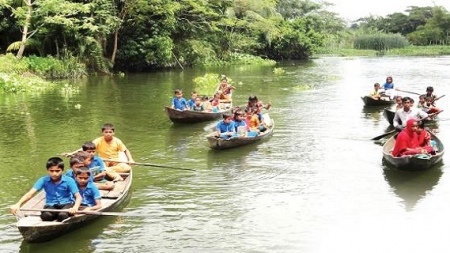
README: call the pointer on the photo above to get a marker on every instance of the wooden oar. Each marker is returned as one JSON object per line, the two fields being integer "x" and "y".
{"x": 82, "y": 212}
{"x": 383, "y": 135}
{"x": 410, "y": 92}
{"x": 148, "y": 164}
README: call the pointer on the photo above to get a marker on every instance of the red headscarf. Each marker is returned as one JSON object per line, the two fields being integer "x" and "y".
{"x": 407, "y": 138}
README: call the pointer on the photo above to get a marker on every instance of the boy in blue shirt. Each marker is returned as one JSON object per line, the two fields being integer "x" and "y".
{"x": 97, "y": 167}
{"x": 88, "y": 190}
{"x": 61, "y": 192}
{"x": 226, "y": 128}
{"x": 179, "y": 102}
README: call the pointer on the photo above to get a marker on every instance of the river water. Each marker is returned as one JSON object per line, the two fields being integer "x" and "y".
{"x": 317, "y": 185}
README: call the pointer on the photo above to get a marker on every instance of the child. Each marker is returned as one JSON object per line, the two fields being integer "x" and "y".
{"x": 191, "y": 101}
{"x": 225, "y": 128}
{"x": 388, "y": 87}
{"x": 61, "y": 192}
{"x": 88, "y": 190}
{"x": 428, "y": 107}
{"x": 429, "y": 93}
{"x": 256, "y": 105}
{"x": 197, "y": 106}
{"x": 375, "y": 94}
{"x": 179, "y": 102}
{"x": 206, "y": 104}
{"x": 215, "y": 103}
{"x": 96, "y": 167}
{"x": 253, "y": 121}
{"x": 109, "y": 147}
{"x": 399, "y": 102}
{"x": 422, "y": 103}
{"x": 225, "y": 90}
{"x": 241, "y": 126}
{"x": 75, "y": 162}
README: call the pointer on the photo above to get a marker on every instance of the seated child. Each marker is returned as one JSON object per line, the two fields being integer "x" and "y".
{"x": 191, "y": 101}
{"x": 253, "y": 122}
{"x": 225, "y": 90}
{"x": 225, "y": 128}
{"x": 97, "y": 167}
{"x": 206, "y": 104}
{"x": 215, "y": 103}
{"x": 429, "y": 107}
{"x": 88, "y": 190}
{"x": 197, "y": 106}
{"x": 242, "y": 129}
{"x": 179, "y": 102}
{"x": 61, "y": 192}
{"x": 256, "y": 105}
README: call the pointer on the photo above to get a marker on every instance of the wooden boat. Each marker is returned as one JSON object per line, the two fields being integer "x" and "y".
{"x": 389, "y": 115}
{"x": 412, "y": 162}
{"x": 188, "y": 116}
{"x": 220, "y": 143}
{"x": 33, "y": 229}
{"x": 369, "y": 101}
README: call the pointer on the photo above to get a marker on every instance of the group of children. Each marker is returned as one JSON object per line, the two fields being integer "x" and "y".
{"x": 203, "y": 103}
{"x": 386, "y": 92}
{"x": 78, "y": 189}
{"x": 248, "y": 122}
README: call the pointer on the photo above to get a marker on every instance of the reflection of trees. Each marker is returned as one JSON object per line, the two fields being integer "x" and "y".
{"x": 412, "y": 186}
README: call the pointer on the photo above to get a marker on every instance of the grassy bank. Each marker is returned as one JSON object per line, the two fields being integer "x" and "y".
{"x": 406, "y": 51}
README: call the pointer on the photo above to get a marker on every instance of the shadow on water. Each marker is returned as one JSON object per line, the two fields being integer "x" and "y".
{"x": 80, "y": 240}
{"x": 373, "y": 112}
{"x": 412, "y": 186}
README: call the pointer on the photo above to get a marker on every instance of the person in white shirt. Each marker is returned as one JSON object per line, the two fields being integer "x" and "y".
{"x": 408, "y": 112}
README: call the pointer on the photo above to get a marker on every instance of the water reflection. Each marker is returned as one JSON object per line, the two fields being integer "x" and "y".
{"x": 412, "y": 186}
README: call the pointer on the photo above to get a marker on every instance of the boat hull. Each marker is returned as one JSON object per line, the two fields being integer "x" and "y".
{"x": 369, "y": 101}
{"x": 218, "y": 143}
{"x": 188, "y": 117}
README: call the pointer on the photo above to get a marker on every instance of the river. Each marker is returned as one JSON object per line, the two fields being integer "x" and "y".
{"x": 317, "y": 185}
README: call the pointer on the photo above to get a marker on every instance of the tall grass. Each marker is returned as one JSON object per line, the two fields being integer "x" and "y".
{"x": 380, "y": 41}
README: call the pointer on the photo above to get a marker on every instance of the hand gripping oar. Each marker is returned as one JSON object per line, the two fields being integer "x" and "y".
{"x": 383, "y": 135}
{"x": 82, "y": 212}
{"x": 147, "y": 164}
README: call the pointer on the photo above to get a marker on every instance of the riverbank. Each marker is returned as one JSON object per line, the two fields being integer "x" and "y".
{"x": 406, "y": 51}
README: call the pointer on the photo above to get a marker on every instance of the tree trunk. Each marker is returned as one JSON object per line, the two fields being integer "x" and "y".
{"x": 25, "y": 30}
{"x": 116, "y": 38}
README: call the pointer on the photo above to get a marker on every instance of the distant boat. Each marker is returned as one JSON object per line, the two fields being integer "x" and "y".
{"x": 189, "y": 116}
{"x": 33, "y": 229}
{"x": 412, "y": 162}
{"x": 215, "y": 142}
{"x": 370, "y": 101}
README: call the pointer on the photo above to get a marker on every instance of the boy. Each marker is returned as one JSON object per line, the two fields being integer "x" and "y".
{"x": 197, "y": 106}
{"x": 96, "y": 167}
{"x": 226, "y": 128}
{"x": 61, "y": 192}
{"x": 191, "y": 101}
{"x": 88, "y": 190}
{"x": 179, "y": 102}
{"x": 109, "y": 147}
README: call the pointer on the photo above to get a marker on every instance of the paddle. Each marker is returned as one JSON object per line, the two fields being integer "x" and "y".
{"x": 83, "y": 212}
{"x": 148, "y": 164}
{"x": 383, "y": 135}
{"x": 410, "y": 92}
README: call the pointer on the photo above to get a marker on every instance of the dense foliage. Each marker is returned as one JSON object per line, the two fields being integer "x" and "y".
{"x": 136, "y": 35}
{"x": 421, "y": 25}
